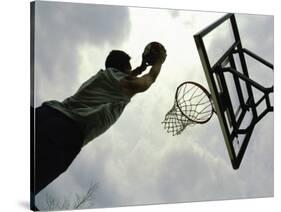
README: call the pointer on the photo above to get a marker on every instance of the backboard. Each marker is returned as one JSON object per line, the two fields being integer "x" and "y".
{"x": 231, "y": 88}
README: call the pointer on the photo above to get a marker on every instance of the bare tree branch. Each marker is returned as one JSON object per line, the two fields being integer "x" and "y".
{"x": 89, "y": 196}
{"x": 79, "y": 202}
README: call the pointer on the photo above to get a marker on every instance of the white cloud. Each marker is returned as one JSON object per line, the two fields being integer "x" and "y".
{"x": 136, "y": 161}
{"x": 62, "y": 29}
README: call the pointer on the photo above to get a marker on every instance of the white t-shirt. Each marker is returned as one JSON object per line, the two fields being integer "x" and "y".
{"x": 97, "y": 104}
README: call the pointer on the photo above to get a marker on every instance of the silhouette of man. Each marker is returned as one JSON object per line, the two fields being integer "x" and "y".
{"x": 63, "y": 128}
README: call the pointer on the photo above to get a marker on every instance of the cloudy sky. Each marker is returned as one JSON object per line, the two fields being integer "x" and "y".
{"x": 136, "y": 162}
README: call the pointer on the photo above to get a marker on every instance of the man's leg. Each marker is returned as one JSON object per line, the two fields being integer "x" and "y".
{"x": 57, "y": 142}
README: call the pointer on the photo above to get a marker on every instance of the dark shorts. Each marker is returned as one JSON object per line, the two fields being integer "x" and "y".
{"x": 58, "y": 141}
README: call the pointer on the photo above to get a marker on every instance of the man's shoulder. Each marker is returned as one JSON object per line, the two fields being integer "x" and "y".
{"x": 116, "y": 74}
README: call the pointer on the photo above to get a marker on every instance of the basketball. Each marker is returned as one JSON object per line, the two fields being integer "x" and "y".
{"x": 152, "y": 52}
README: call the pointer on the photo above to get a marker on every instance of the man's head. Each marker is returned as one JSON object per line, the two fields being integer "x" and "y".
{"x": 119, "y": 60}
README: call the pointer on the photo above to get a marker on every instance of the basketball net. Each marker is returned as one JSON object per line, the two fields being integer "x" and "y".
{"x": 193, "y": 105}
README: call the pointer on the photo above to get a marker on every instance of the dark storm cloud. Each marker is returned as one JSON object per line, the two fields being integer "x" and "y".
{"x": 61, "y": 28}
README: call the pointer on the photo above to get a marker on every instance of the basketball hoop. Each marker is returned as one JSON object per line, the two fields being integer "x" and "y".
{"x": 193, "y": 105}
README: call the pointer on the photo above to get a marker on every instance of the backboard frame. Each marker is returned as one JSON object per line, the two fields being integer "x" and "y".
{"x": 219, "y": 89}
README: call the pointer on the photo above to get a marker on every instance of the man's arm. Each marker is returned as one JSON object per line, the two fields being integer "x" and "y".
{"x": 137, "y": 71}
{"x": 136, "y": 85}
{"x": 133, "y": 85}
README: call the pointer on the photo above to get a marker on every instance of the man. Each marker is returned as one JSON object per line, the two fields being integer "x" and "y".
{"x": 63, "y": 128}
